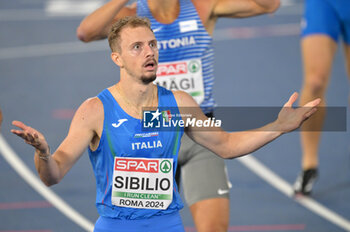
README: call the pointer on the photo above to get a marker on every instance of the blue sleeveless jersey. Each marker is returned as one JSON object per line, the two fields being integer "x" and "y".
{"x": 122, "y": 136}
{"x": 184, "y": 39}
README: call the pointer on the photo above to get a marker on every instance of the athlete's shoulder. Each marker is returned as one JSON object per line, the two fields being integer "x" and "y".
{"x": 205, "y": 11}
{"x": 204, "y": 5}
{"x": 92, "y": 104}
{"x": 90, "y": 111}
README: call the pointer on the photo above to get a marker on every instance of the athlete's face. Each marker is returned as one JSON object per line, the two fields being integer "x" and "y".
{"x": 139, "y": 53}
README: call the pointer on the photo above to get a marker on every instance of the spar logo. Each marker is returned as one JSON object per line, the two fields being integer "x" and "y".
{"x": 138, "y": 165}
{"x": 194, "y": 66}
{"x": 172, "y": 69}
{"x": 165, "y": 166}
{"x": 178, "y": 68}
{"x": 142, "y": 165}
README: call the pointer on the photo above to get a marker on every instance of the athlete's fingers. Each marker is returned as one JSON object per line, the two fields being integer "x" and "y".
{"x": 23, "y": 134}
{"x": 19, "y": 124}
{"x": 20, "y": 133}
{"x": 29, "y": 138}
{"x": 291, "y": 100}
{"x": 311, "y": 112}
{"x": 313, "y": 103}
{"x": 309, "y": 108}
{"x": 25, "y": 129}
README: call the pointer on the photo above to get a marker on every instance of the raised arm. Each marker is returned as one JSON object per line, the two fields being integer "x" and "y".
{"x": 244, "y": 8}
{"x": 236, "y": 144}
{"x": 83, "y": 129}
{"x": 96, "y": 25}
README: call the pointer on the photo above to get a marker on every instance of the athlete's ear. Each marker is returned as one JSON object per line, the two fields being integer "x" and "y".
{"x": 115, "y": 56}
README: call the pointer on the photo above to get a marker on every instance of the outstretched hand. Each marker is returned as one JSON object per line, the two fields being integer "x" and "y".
{"x": 290, "y": 119}
{"x": 31, "y": 136}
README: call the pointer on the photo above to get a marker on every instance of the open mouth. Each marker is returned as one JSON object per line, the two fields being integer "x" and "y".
{"x": 150, "y": 64}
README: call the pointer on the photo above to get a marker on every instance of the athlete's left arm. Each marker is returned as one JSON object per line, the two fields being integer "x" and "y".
{"x": 236, "y": 144}
{"x": 244, "y": 8}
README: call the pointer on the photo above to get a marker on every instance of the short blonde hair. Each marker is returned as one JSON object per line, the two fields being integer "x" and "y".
{"x": 129, "y": 21}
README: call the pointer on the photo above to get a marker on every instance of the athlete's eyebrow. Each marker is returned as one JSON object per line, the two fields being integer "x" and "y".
{"x": 135, "y": 43}
{"x": 142, "y": 42}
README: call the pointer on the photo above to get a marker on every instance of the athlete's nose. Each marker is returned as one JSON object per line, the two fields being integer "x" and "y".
{"x": 149, "y": 51}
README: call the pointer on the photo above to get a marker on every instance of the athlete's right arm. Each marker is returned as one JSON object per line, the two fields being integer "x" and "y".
{"x": 240, "y": 143}
{"x": 85, "y": 127}
{"x": 96, "y": 25}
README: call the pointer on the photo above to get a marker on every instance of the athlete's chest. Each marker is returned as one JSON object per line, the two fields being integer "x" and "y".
{"x": 131, "y": 138}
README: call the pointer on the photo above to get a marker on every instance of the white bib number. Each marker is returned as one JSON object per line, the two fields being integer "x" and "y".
{"x": 185, "y": 75}
{"x": 142, "y": 183}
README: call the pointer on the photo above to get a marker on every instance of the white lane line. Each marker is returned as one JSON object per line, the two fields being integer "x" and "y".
{"x": 22, "y": 15}
{"x": 222, "y": 34}
{"x": 51, "y": 49}
{"x": 33, "y": 15}
{"x": 277, "y": 30}
{"x": 71, "y": 8}
{"x": 17, "y": 164}
{"x": 283, "y": 186}
{"x": 294, "y": 10}
{"x": 53, "y": 10}
{"x": 289, "y": 3}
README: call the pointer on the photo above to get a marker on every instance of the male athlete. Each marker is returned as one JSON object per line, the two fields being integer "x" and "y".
{"x": 323, "y": 23}
{"x": 134, "y": 168}
{"x": 184, "y": 30}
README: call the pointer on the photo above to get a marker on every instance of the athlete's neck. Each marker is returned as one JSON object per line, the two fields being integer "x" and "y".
{"x": 137, "y": 95}
{"x": 164, "y": 11}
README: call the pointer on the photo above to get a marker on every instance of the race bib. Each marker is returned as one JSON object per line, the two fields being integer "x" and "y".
{"x": 185, "y": 75}
{"x": 142, "y": 183}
